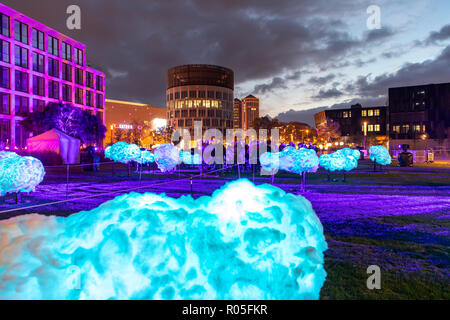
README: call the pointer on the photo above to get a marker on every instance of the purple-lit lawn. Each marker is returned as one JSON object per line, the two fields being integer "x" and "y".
{"x": 398, "y": 219}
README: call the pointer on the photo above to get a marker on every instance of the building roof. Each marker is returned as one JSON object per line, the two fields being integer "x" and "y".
{"x": 250, "y": 96}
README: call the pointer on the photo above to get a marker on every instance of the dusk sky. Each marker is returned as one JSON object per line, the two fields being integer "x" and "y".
{"x": 294, "y": 55}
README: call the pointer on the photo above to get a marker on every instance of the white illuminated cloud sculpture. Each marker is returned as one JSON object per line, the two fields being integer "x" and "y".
{"x": 380, "y": 155}
{"x": 167, "y": 157}
{"x": 243, "y": 242}
{"x": 19, "y": 174}
{"x": 291, "y": 160}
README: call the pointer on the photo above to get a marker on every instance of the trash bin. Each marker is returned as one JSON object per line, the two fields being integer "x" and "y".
{"x": 405, "y": 159}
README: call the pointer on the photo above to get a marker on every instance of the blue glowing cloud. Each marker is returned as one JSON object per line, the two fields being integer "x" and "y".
{"x": 123, "y": 152}
{"x": 380, "y": 155}
{"x": 290, "y": 159}
{"x": 146, "y": 157}
{"x": 345, "y": 159}
{"x": 188, "y": 158}
{"x": 167, "y": 157}
{"x": 243, "y": 242}
{"x": 19, "y": 174}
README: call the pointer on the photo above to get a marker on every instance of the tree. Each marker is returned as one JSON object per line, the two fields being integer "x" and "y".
{"x": 71, "y": 120}
{"x": 329, "y": 131}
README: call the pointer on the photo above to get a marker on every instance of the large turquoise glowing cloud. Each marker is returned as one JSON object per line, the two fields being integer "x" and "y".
{"x": 123, "y": 152}
{"x": 146, "y": 157}
{"x": 188, "y": 158}
{"x": 19, "y": 174}
{"x": 380, "y": 155}
{"x": 243, "y": 242}
{"x": 345, "y": 159}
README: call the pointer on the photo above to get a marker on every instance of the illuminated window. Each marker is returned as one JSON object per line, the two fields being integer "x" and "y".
{"x": 5, "y": 25}
{"x": 424, "y": 128}
{"x": 21, "y": 32}
{"x": 396, "y": 129}
{"x": 4, "y": 53}
{"x": 38, "y": 39}
{"x": 78, "y": 53}
{"x": 370, "y": 113}
{"x": 370, "y": 128}
{"x": 363, "y": 113}
{"x": 376, "y": 112}
{"x": 345, "y": 114}
{"x": 405, "y": 128}
{"x": 21, "y": 56}
{"x": 53, "y": 46}
{"x": 377, "y": 128}
{"x": 416, "y": 128}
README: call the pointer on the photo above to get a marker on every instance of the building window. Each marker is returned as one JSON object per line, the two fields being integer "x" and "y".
{"x": 218, "y": 95}
{"x": 67, "y": 93}
{"x": 5, "y": 78}
{"x": 99, "y": 103}
{"x": 21, "y": 32}
{"x": 177, "y": 95}
{"x": 53, "y": 67}
{"x": 78, "y": 56}
{"x": 211, "y": 94}
{"x": 376, "y": 112}
{"x": 53, "y": 46}
{"x": 5, "y": 133}
{"x": 345, "y": 114}
{"x": 171, "y": 96}
{"x": 38, "y": 40}
{"x": 53, "y": 89}
{"x": 79, "y": 76}
{"x": 377, "y": 128}
{"x": 99, "y": 83}
{"x": 38, "y": 62}
{"x": 79, "y": 96}
{"x": 193, "y": 94}
{"x": 416, "y": 128}
{"x": 424, "y": 128}
{"x": 21, "y": 81}
{"x": 5, "y": 103}
{"x": 202, "y": 94}
{"x": 21, "y": 56}
{"x": 363, "y": 113}
{"x": 192, "y": 113}
{"x": 183, "y": 94}
{"x": 4, "y": 53}
{"x": 67, "y": 72}
{"x": 38, "y": 105}
{"x": 66, "y": 51}
{"x": 21, "y": 105}
{"x": 89, "y": 80}
{"x": 5, "y": 25}
{"x": 370, "y": 128}
{"x": 405, "y": 128}
{"x": 89, "y": 101}
{"x": 396, "y": 129}
{"x": 180, "y": 122}
{"x": 370, "y": 113}
{"x": 38, "y": 86}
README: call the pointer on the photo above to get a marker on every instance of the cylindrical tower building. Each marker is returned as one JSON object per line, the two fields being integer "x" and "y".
{"x": 200, "y": 92}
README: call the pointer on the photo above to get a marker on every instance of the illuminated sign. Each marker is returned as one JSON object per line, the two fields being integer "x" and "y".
{"x": 125, "y": 126}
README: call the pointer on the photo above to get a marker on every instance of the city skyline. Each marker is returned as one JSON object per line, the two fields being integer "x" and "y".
{"x": 293, "y": 55}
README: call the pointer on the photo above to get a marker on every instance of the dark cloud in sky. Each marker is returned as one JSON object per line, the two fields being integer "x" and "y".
{"x": 135, "y": 42}
{"x": 328, "y": 93}
{"x": 320, "y": 81}
{"x": 440, "y": 35}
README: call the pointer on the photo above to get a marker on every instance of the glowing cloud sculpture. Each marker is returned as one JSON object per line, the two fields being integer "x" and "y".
{"x": 167, "y": 157}
{"x": 146, "y": 157}
{"x": 342, "y": 160}
{"x": 188, "y": 158}
{"x": 380, "y": 155}
{"x": 243, "y": 242}
{"x": 123, "y": 152}
{"x": 19, "y": 174}
{"x": 291, "y": 159}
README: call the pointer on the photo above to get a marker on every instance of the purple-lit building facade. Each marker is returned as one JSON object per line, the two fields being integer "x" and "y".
{"x": 39, "y": 65}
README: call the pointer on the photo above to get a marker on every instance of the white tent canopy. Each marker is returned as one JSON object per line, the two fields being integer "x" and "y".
{"x": 58, "y": 142}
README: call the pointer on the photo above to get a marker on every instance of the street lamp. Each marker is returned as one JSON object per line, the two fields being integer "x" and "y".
{"x": 111, "y": 127}
{"x": 365, "y": 135}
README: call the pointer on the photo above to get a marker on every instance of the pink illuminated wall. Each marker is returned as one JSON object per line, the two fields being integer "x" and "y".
{"x": 10, "y": 92}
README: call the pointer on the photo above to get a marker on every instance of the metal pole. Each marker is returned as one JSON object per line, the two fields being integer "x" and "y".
{"x": 67, "y": 182}
{"x": 192, "y": 191}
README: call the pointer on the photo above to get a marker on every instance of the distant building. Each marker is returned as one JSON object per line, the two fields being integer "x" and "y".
{"x": 124, "y": 115}
{"x": 250, "y": 111}
{"x": 355, "y": 120}
{"x": 420, "y": 116}
{"x": 200, "y": 93}
{"x": 237, "y": 114}
{"x": 39, "y": 65}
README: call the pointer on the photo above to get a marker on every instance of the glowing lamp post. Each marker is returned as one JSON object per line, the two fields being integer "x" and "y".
{"x": 365, "y": 135}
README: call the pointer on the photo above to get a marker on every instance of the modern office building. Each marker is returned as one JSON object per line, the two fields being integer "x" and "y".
{"x": 420, "y": 116}
{"x": 200, "y": 92}
{"x": 356, "y": 121}
{"x": 124, "y": 115}
{"x": 250, "y": 111}
{"x": 39, "y": 65}
{"x": 237, "y": 114}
